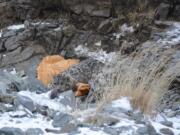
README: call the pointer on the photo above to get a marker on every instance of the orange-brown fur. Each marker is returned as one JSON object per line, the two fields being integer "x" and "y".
{"x": 82, "y": 89}
{"x": 51, "y": 66}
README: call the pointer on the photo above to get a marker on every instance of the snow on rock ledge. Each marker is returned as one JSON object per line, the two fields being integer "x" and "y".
{"x": 16, "y": 27}
{"x": 44, "y": 100}
{"x": 101, "y": 55}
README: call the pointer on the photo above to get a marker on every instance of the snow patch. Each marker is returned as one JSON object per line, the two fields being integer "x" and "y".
{"x": 98, "y": 43}
{"x": 83, "y": 115}
{"x": 13, "y": 72}
{"x": 17, "y": 113}
{"x": 44, "y": 100}
{"x": 101, "y": 55}
{"x": 26, "y": 122}
{"x": 171, "y": 36}
{"x": 16, "y": 27}
{"x": 117, "y": 35}
{"x": 87, "y": 131}
{"x": 126, "y": 29}
{"x": 175, "y": 120}
{"x": 123, "y": 103}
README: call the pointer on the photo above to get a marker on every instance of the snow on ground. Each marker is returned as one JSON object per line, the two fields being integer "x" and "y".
{"x": 101, "y": 55}
{"x": 87, "y": 131}
{"x": 175, "y": 120}
{"x": 16, "y": 27}
{"x": 22, "y": 26}
{"x": 39, "y": 121}
{"x": 13, "y": 72}
{"x": 24, "y": 123}
{"x": 124, "y": 29}
{"x": 171, "y": 36}
{"x": 44, "y": 100}
{"x": 123, "y": 103}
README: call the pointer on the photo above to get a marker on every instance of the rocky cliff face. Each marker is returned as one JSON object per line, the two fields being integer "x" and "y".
{"x": 21, "y": 10}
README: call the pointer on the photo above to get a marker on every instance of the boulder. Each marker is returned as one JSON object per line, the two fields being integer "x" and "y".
{"x": 101, "y": 120}
{"x": 105, "y": 26}
{"x": 98, "y": 8}
{"x": 61, "y": 119}
{"x": 111, "y": 131}
{"x": 26, "y": 102}
{"x": 162, "y": 11}
{"x": 69, "y": 128}
{"x": 11, "y": 131}
{"x": 167, "y": 123}
{"x": 68, "y": 99}
{"x": 166, "y": 131}
{"x": 148, "y": 129}
{"x": 34, "y": 131}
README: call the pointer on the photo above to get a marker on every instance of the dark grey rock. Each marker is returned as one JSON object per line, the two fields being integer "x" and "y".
{"x": 68, "y": 99}
{"x": 69, "y": 128}
{"x": 11, "y": 131}
{"x": 166, "y": 131}
{"x": 177, "y": 112}
{"x": 125, "y": 129}
{"x": 9, "y": 83}
{"x": 110, "y": 131}
{"x": 34, "y": 131}
{"x": 116, "y": 111}
{"x": 42, "y": 110}
{"x": 167, "y": 123}
{"x": 177, "y": 11}
{"x": 105, "y": 26}
{"x": 147, "y": 130}
{"x": 26, "y": 102}
{"x": 171, "y": 114}
{"x": 60, "y": 119}
{"x": 138, "y": 117}
{"x": 102, "y": 119}
{"x": 162, "y": 11}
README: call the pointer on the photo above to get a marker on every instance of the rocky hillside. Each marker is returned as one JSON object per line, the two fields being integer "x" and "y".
{"x": 129, "y": 54}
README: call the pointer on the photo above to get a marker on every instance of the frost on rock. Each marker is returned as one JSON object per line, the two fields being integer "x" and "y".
{"x": 123, "y": 103}
{"x": 16, "y": 27}
{"x": 87, "y": 131}
{"x": 101, "y": 55}
{"x": 124, "y": 30}
{"x": 44, "y": 100}
{"x": 24, "y": 123}
{"x": 171, "y": 36}
{"x": 159, "y": 118}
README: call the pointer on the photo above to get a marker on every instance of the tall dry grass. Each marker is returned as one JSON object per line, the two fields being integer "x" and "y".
{"x": 143, "y": 78}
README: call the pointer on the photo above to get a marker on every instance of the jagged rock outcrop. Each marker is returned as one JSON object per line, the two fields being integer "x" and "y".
{"x": 20, "y": 10}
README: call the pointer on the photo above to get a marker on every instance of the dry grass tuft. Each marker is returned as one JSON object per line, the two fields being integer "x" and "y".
{"x": 143, "y": 81}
